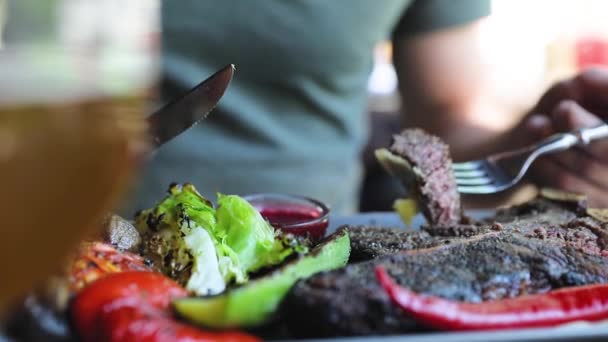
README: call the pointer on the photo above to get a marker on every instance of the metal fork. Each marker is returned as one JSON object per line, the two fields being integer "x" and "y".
{"x": 501, "y": 171}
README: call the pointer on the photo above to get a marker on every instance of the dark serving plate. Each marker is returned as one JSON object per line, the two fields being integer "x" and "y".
{"x": 572, "y": 332}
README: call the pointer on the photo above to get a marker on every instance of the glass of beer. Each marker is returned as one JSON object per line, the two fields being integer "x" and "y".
{"x": 74, "y": 77}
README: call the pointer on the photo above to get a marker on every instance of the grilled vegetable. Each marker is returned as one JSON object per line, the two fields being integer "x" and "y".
{"x": 579, "y": 303}
{"x": 254, "y": 303}
{"x": 97, "y": 259}
{"x": 121, "y": 233}
{"x": 134, "y": 306}
{"x": 205, "y": 248}
{"x": 573, "y": 201}
{"x": 42, "y": 315}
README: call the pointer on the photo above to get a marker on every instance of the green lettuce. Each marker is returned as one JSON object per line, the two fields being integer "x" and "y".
{"x": 204, "y": 247}
{"x": 244, "y": 232}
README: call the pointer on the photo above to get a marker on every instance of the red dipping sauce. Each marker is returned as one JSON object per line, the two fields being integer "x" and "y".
{"x": 293, "y": 214}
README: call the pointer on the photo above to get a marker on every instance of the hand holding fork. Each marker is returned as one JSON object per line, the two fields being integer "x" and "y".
{"x": 569, "y": 106}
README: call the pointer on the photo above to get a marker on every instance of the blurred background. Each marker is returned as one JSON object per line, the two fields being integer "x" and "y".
{"x": 526, "y": 47}
{"x": 547, "y": 39}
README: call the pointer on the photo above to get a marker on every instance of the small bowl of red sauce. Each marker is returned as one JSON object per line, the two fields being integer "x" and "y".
{"x": 298, "y": 215}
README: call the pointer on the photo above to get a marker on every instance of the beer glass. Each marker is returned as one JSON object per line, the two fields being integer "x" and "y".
{"x": 74, "y": 78}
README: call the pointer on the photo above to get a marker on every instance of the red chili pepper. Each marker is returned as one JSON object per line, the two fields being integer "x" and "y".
{"x": 135, "y": 306}
{"x": 586, "y": 303}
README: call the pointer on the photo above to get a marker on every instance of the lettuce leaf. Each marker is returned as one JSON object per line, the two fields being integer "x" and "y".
{"x": 243, "y": 230}
{"x": 177, "y": 238}
{"x": 205, "y": 248}
{"x": 206, "y": 277}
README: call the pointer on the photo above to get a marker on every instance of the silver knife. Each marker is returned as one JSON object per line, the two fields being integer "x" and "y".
{"x": 184, "y": 112}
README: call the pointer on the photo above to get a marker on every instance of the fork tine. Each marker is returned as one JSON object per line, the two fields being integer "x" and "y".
{"x": 469, "y": 174}
{"x": 477, "y": 189}
{"x": 467, "y": 166}
{"x": 474, "y": 181}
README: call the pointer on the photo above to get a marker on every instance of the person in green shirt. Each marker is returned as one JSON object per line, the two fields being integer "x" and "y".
{"x": 294, "y": 118}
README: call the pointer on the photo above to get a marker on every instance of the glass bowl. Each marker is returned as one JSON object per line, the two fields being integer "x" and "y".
{"x": 298, "y": 215}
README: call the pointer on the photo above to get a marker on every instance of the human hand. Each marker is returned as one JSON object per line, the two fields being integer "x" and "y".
{"x": 581, "y": 101}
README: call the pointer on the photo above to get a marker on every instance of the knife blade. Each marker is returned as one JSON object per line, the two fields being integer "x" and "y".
{"x": 184, "y": 112}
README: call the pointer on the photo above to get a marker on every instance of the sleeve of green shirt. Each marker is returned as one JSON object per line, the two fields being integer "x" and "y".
{"x": 430, "y": 15}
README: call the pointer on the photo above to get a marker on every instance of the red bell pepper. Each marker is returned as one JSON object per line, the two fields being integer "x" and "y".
{"x": 135, "y": 306}
{"x": 582, "y": 303}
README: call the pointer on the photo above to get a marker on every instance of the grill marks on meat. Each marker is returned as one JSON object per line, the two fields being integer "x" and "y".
{"x": 541, "y": 248}
{"x": 432, "y": 165}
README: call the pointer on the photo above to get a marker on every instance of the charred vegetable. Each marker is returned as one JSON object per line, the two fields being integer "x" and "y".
{"x": 97, "y": 259}
{"x": 134, "y": 306}
{"x": 573, "y": 201}
{"x": 255, "y": 302}
{"x": 579, "y": 303}
{"x": 205, "y": 248}
{"x": 42, "y": 315}
{"x": 121, "y": 233}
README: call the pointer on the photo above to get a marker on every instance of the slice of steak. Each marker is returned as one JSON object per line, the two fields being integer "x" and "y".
{"x": 526, "y": 254}
{"x": 422, "y": 162}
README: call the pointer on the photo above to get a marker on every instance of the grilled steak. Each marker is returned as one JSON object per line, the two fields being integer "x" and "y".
{"x": 422, "y": 162}
{"x": 548, "y": 243}
{"x": 528, "y": 249}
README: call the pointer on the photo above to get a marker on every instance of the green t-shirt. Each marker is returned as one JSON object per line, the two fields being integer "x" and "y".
{"x": 293, "y": 119}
